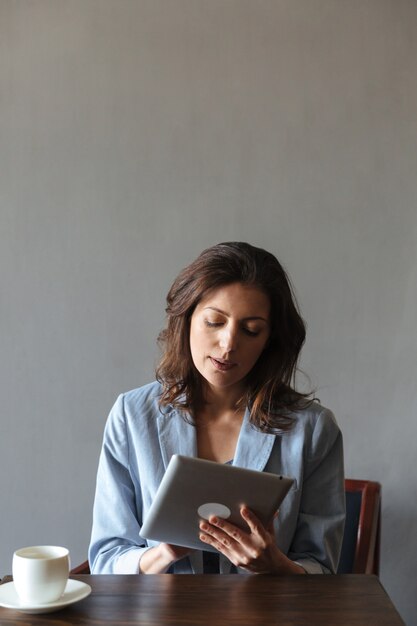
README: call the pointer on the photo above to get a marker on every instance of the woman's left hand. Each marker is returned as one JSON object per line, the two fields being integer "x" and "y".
{"x": 254, "y": 550}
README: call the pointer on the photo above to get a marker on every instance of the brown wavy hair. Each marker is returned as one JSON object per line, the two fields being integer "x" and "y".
{"x": 270, "y": 387}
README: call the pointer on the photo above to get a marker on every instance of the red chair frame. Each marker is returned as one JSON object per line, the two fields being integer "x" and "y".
{"x": 366, "y": 560}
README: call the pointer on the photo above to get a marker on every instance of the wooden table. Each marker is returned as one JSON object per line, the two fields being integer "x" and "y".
{"x": 234, "y": 600}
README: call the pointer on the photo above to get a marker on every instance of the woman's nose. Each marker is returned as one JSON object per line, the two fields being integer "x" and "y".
{"x": 228, "y": 339}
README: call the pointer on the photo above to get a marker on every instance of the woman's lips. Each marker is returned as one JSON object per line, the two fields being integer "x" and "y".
{"x": 222, "y": 365}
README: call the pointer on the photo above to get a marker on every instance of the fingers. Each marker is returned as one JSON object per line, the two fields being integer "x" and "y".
{"x": 225, "y": 532}
{"x": 219, "y": 534}
{"x": 255, "y": 525}
{"x": 221, "y": 546}
{"x": 254, "y": 549}
{"x": 228, "y": 538}
{"x": 270, "y": 527}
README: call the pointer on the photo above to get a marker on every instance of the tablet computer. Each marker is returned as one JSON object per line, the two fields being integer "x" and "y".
{"x": 194, "y": 488}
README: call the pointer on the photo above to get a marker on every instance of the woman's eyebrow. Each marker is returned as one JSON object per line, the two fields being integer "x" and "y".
{"x": 251, "y": 317}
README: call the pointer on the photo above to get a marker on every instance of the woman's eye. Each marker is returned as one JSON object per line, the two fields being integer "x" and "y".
{"x": 251, "y": 333}
{"x": 212, "y": 324}
{"x": 247, "y": 331}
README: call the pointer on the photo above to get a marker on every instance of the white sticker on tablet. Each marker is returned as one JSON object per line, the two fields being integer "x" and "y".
{"x": 214, "y": 508}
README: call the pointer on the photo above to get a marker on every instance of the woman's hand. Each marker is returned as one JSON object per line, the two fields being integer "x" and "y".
{"x": 158, "y": 559}
{"x": 254, "y": 550}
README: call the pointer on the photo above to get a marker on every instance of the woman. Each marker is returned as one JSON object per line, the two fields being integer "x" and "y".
{"x": 224, "y": 392}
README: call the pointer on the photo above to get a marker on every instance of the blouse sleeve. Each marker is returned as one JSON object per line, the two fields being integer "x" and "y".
{"x": 318, "y": 538}
{"x": 115, "y": 546}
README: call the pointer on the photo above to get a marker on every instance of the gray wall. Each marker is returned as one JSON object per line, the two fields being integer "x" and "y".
{"x": 134, "y": 133}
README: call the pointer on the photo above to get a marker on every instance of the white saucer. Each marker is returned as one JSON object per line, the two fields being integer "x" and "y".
{"x": 74, "y": 592}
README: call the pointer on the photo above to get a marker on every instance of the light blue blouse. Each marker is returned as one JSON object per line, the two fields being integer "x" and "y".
{"x": 139, "y": 440}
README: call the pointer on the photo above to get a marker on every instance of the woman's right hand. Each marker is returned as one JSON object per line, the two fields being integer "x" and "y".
{"x": 157, "y": 560}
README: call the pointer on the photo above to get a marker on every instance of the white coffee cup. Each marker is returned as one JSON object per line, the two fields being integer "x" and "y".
{"x": 40, "y": 573}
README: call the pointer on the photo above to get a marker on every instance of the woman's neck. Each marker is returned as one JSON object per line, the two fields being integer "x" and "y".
{"x": 217, "y": 403}
{"x": 218, "y": 423}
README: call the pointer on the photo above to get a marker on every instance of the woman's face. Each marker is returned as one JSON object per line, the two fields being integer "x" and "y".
{"x": 229, "y": 330}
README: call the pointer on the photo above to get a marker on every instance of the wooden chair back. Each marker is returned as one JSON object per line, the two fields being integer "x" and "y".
{"x": 361, "y": 541}
{"x": 83, "y": 568}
